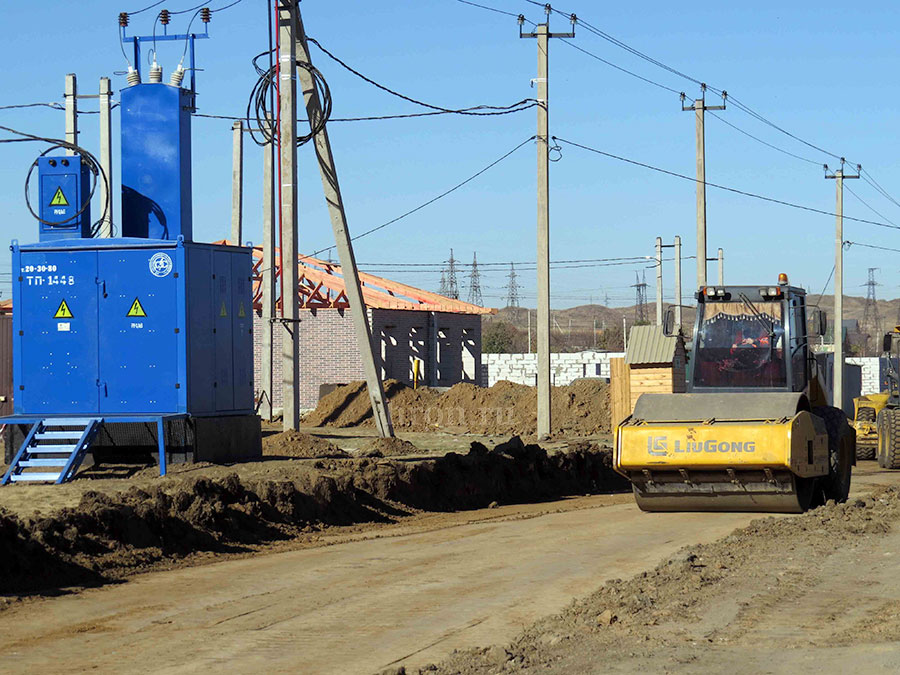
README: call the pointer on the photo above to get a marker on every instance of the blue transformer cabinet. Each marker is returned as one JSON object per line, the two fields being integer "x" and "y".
{"x": 63, "y": 192}
{"x": 132, "y": 327}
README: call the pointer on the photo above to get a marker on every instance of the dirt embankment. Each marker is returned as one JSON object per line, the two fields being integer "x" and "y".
{"x": 715, "y": 596}
{"x": 581, "y": 408}
{"x": 111, "y": 534}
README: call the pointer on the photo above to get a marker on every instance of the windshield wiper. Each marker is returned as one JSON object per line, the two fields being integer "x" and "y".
{"x": 765, "y": 323}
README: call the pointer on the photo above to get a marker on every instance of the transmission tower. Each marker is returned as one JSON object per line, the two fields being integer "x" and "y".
{"x": 871, "y": 323}
{"x": 640, "y": 298}
{"x": 475, "y": 283}
{"x": 512, "y": 287}
{"x": 449, "y": 286}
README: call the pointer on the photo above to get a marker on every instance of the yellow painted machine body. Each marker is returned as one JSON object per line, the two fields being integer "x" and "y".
{"x": 866, "y": 429}
{"x": 725, "y": 452}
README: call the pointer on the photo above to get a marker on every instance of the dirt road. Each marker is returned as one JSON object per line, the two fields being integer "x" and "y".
{"x": 361, "y": 606}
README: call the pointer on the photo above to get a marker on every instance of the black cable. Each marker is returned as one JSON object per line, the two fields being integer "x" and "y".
{"x": 620, "y": 68}
{"x": 474, "y": 110}
{"x": 430, "y": 201}
{"x": 848, "y": 244}
{"x": 220, "y": 9}
{"x": 490, "y": 9}
{"x": 723, "y": 187}
{"x": 155, "y": 4}
{"x": 89, "y": 159}
{"x": 867, "y": 205}
{"x": 870, "y": 179}
{"x": 759, "y": 140}
{"x": 54, "y": 106}
{"x": 825, "y": 287}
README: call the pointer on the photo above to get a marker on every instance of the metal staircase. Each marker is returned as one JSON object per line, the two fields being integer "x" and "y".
{"x": 53, "y": 450}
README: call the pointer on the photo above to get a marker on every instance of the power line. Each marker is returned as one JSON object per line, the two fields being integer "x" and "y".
{"x": 766, "y": 143}
{"x": 490, "y": 9}
{"x": 772, "y": 200}
{"x": 868, "y": 206}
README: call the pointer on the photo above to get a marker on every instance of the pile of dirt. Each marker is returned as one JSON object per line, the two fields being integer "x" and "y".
{"x": 299, "y": 445}
{"x": 389, "y": 447}
{"x": 581, "y": 408}
{"x": 111, "y": 534}
{"x": 674, "y": 605}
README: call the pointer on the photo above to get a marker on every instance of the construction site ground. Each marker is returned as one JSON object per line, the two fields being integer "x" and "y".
{"x": 523, "y": 585}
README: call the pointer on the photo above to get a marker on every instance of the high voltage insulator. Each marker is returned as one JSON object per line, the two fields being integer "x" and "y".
{"x": 205, "y": 15}
{"x": 123, "y": 19}
{"x": 164, "y": 17}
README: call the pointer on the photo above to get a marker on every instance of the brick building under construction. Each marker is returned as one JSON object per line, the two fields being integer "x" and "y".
{"x": 408, "y": 325}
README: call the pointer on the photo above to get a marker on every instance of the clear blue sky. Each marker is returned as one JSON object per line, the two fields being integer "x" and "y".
{"x": 824, "y": 70}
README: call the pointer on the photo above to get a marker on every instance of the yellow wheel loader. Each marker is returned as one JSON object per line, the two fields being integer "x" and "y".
{"x": 865, "y": 413}
{"x": 887, "y": 414}
{"x": 753, "y": 432}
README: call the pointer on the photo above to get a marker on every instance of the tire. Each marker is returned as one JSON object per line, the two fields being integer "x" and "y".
{"x": 865, "y": 414}
{"x": 865, "y": 450}
{"x": 891, "y": 427}
{"x": 882, "y": 434}
{"x": 841, "y": 451}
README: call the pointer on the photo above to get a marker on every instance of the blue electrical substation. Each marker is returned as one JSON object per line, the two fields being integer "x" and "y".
{"x": 125, "y": 342}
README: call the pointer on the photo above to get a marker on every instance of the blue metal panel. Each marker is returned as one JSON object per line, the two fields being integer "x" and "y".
{"x": 140, "y": 330}
{"x": 200, "y": 326}
{"x": 224, "y": 312}
{"x": 55, "y": 331}
{"x": 156, "y": 162}
{"x": 242, "y": 336}
{"x": 64, "y": 188}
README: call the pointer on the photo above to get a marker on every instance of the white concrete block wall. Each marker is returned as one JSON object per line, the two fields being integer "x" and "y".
{"x": 522, "y": 368}
{"x": 871, "y": 373}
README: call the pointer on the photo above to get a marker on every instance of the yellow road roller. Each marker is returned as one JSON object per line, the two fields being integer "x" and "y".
{"x": 754, "y": 431}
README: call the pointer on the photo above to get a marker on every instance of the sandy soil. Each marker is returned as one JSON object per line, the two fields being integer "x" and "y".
{"x": 783, "y": 593}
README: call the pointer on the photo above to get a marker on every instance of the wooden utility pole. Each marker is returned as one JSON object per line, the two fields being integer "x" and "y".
{"x": 269, "y": 294}
{"x": 837, "y": 399}
{"x": 721, "y": 258}
{"x": 287, "y": 58}
{"x": 699, "y": 107}
{"x": 543, "y": 35}
{"x": 237, "y": 183}
{"x": 335, "y": 203}
{"x": 677, "y": 283}
{"x": 106, "y": 187}
{"x": 71, "y": 97}
{"x": 659, "y": 282}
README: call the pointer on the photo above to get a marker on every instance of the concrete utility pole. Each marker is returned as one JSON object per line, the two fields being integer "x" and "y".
{"x": 659, "y": 282}
{"x": 268, "y": 279}
{"x": 677, "y": 283}
{"x": 699, "y": 107}
{"x": 237, "y": 183}
{"x": 721, "y": 267}
{"x": 106, "y": 188}
{"x": 71, "y": 97}
{"x": 287, "y": 58}
{"x": 335, "y": 203}
{"x": 837, "y": 399}
{"x": 543, "y": 35}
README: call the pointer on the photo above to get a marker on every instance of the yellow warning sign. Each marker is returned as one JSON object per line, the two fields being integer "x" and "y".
{"x": 241, "y": 312}
{"x": 136, "y": 309}
{"x": 223, "y": 312}
{"x": 59, "y": 199}
{"x": 63, "y": 312}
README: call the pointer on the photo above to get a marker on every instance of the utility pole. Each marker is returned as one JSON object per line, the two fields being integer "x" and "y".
{"x": 106, "y": 187}
{"x": 659, "y": 282}
{"x": 838, "y": 376}
{"x": 268, "y": 279}
{"x": 335, "y": 202}
{"x": 287, "y": 58}
{"x": 721, "y": 267}
{"x": 677, "y": 283}
{"x": 71, "y": 97}
{"x": 237, "y": 183}
{"x": 699, "y": 107}
{"x": 543, "y": 35}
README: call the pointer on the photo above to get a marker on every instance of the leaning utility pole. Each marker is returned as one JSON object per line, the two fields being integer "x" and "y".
{"x": 837, "y": 399}
{"x": 659, "y": 282}
{"x": 699, "y": 107}
{"x": 106, "y": 186}
{"x": 543, "y": 35}
{"x": 268, "y": 272}
{"x": 237, "y": 182}
{"x": 346, "y": 256}
{"x": 290, "y": 307}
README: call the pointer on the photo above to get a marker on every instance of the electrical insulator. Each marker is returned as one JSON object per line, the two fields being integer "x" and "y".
{"x": 164, "y": 17}
{"x": 134, "y": 77}
{"x": 205, "y": 15}
{"x": 123, "y": 19}
{"x": 155, "y": 72}
{"x": 177, "y": 76}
